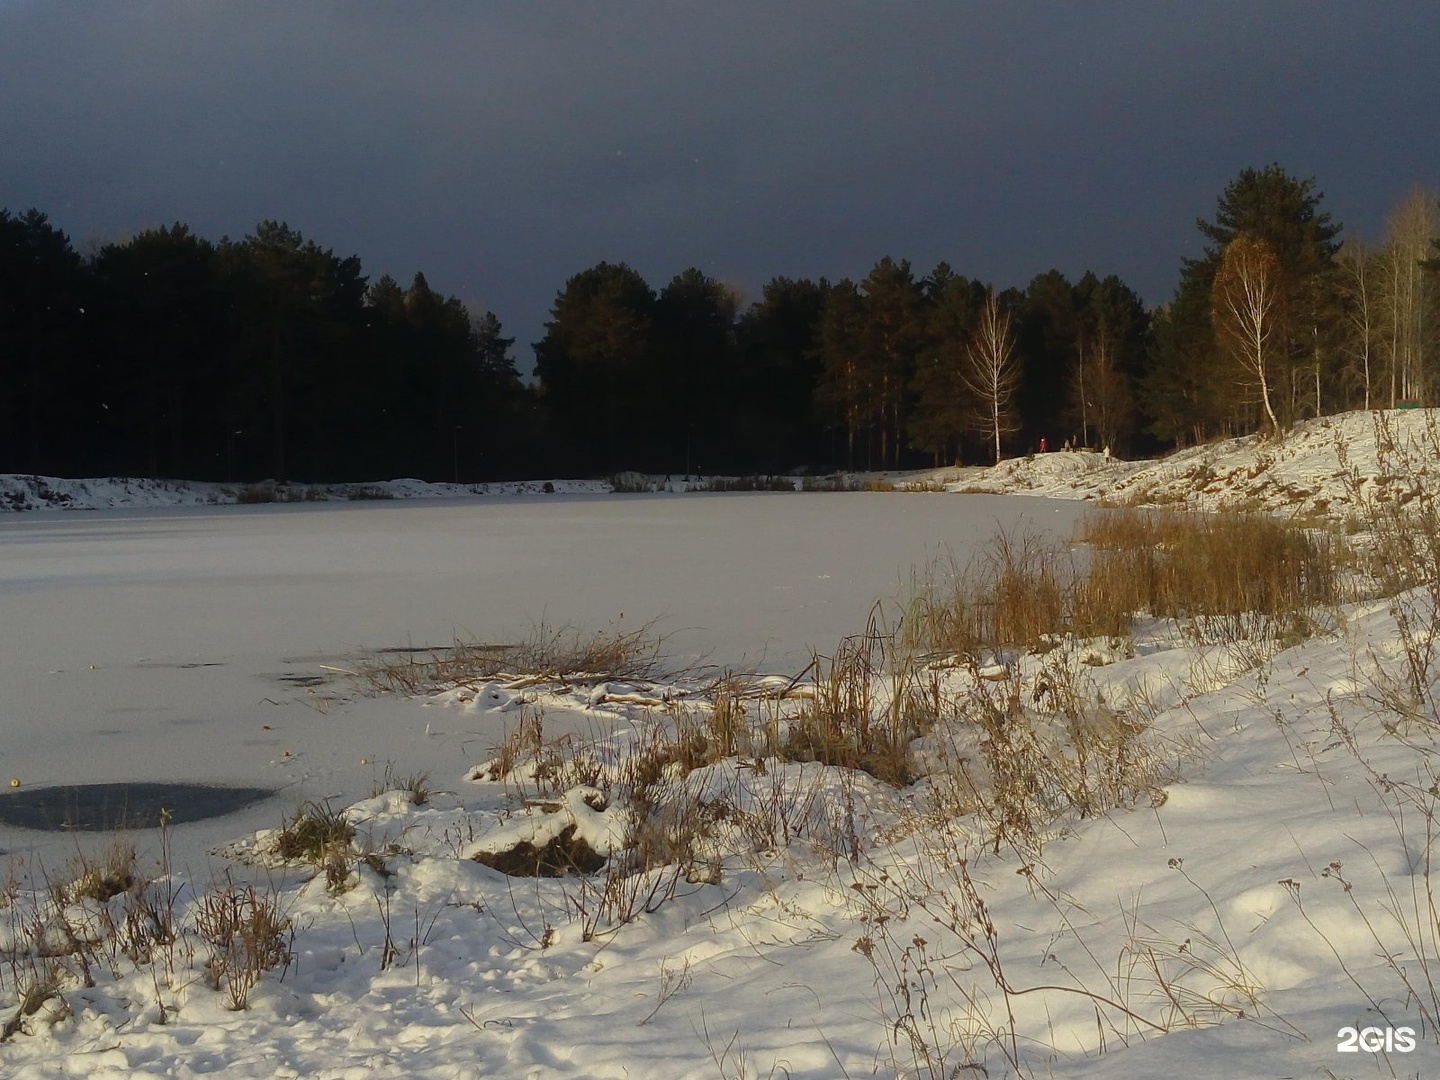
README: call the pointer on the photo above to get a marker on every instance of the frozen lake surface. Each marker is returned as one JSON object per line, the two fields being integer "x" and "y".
{"x": 155, "y": 645}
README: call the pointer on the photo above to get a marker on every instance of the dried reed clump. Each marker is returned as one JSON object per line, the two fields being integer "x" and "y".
{"x": 320, "y": 835}
{"x": 845, "y": 482}
{"x": 113, "y": 874}
{"x": 1225, "y": 577}
{"x": 1189, "y": 566}
{"x": 564, "y": 653}
{"x": 867, "y": 706}
{"x": 1017, "y": 593}
{"x": 247, "y": 934}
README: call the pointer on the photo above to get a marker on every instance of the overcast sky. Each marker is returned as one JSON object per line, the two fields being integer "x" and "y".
{"x": 501, "y": 148}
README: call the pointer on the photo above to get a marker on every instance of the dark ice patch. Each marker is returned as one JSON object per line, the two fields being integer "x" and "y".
{"x": 106, "y": 807}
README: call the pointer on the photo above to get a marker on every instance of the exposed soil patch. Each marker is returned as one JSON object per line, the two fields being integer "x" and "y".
{"x": 563, "y": 854}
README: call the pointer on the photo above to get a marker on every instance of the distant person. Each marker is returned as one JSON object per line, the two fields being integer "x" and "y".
{"x": 1044, "y": 446}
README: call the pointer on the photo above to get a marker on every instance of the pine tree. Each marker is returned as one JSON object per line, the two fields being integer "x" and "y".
{"x": 892, "y": 332}
{"x": 696, "y": 379}
{"x": 944, "y": 407}
{"x": 43, "y": 286}
{"x": 594, "y": 359}
{"x": 160, "y": 308}
{"x": 779, "y": 425}
{"x": 844, "y": 391}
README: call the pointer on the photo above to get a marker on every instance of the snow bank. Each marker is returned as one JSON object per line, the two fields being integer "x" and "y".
{"x": 28, "y": 492}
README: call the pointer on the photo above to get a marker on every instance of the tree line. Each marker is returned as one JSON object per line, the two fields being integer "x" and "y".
{"x": 169, "y": 355}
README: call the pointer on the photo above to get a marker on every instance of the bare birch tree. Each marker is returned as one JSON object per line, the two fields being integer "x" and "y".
{"x": 1247, "y": 305}
{"x": 1409, "y": 294}
{"x": 1100, "y": 391}
{"x": 1357, "y": 268}
{"x": 992, "y": 369}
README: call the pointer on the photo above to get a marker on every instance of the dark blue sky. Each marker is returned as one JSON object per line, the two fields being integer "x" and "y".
{"x": 502, "y": 147}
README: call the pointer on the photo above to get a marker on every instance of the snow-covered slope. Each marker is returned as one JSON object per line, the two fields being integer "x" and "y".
{"x": 1325, "y": 468}
{"x": 1233, "y": 922}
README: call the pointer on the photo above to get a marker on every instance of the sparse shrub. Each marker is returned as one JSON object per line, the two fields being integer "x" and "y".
{"x": 929, "y": 485}
{"x": 865, "y": 710}
{"x": 247, "y": 935}
{"x": 270, "y": 492}
{"x": 746, "y": 483}
{"x": 846, "y": 482}
{"x": 368, "y": 493}
{"x": 252, "y": 494}
{"x": 631, "y": 483}
{"x": 321, "y": 836}
{"x": 416, "y": 785}
{"x": 1045, "y": 750}
{"x": 113, "y": 874}
{"x": 1402, "y": 520}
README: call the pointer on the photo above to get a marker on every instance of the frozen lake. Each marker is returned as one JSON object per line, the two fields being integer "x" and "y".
{"x": 171, "y": 644}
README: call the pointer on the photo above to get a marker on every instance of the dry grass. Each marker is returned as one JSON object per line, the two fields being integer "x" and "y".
{"x": 559, "y": 654}
{"x": 247, "y": 935}
{"x": 322, "y": 836}
{"x": 252, "y": 494}
{"x": 114, "y": 873}
{"x": 416, "y": 785}
{"x": 1224, "y": 577}
{"x": 1051, "y": 749}
{"x": 845, "y": 482}
{"x": 1402, "y": 531}
{"x": 1188, "y": 566}
{"x": 747, "y": 483}
{"x": 866, "y": 708}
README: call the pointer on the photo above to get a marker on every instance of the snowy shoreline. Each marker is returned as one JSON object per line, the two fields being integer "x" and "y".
{"x": 1323, "y": 469}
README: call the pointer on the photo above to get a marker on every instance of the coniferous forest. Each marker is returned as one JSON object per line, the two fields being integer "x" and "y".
{"x": 171, "y": 355}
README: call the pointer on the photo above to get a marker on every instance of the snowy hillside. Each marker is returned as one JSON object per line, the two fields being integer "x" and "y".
{"x": 1316, "y": 471}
